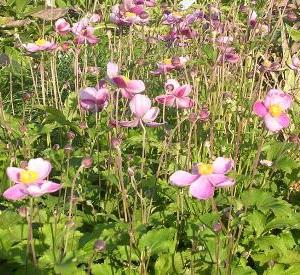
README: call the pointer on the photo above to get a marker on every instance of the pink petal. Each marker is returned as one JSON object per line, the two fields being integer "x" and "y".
{"x": 154, "y": 124}
{"x": 88, "y": 105}
{"x": 151, "y": 115}
{"x": 222, "y": 165}
{"x": 172, "y": 82}
{"x": 220, "y": 180}
{"x": 88, "y": 94}
{"x": 202, "y": 189}
{"x": 140, "y": 105}
{"x": 182, "y": 178}
{"x": 120, "y": 81}
{"x": 49, "y": 187}
{"x": 284, "y": 120}
{"x": 183, "y": 91}
{"x": 112, "y": 69}
{"x": 126, "y": 94}
{"x": 260, "y": 109}
{"x": 184, "y": 102}
{"x": 41, "y": 166}
{"x": 167, "y": 100}
{"x": 13, "y": 173}
{"x": 34, "y": 190}
{"x": 135, "y": 86}
{"x": 273, "y": 123}
{"x": 276, "y": 96}
{"x": 32, "y": 47}
{"x": 129, "y": 124}
{"x": 16, "y": 192}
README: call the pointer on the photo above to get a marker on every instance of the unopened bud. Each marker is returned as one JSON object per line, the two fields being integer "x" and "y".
{"x": 99, "y": 246}
{"x": 87, "y": 162}
{"x": 70, "y": 135}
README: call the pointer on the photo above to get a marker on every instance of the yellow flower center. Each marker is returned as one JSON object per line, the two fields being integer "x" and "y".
{"x": 40, "y": 42}
{"x": 129, "y": 14}
{"x": 177, "y": 13}
{"x": 275, "y": 110}
{"x": 267, "y": 63}
{"x": 168, "y": 61}
{"x": 28, "y": 176}
{"x": 125, "y": 78}
{"x": 205, "y": 169}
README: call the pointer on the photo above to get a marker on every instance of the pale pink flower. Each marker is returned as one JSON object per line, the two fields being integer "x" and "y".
{"x": 140, "y": 106}
{"x": 93, "y": 99}
{"x": 40, "y": 45}
{"x": 127, "y": 86}
{"x": 295, "y": 65}
{"x": 30, "y": 181}
{"x": 170, "y": 64}
{"x": 177, "y": 96}
{"x": 205, "y": 178}
{"x": 62, "y": 26}
{"x": 273, "y": 108}
{"x": 84, "y": 32}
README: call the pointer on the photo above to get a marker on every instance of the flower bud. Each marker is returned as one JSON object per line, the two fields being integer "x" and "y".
{"x": 87, "y": 162}
{"x": 27, "y": 96}
{"x": 175, "y": 61}
{"x": 83, "y": 125}
{"x": 116, "y": 142}
{"x": 68, "y": 148}
{"x": 70, "y": 135}
{"x": 144, "y": 15}
{"x": 217, "y": 227}
{"x": 99, "y": 246}
{"x": 56, "y": 147}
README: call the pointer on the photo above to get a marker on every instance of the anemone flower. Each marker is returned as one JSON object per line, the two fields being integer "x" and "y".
{"x": 62, "y": 27}
{"x": 205, "y": 178}
{"x": 128, "y": 13}
{"x": 229, "y": 55}
{"x": 84, "y": 32}
{"x": 272, "y": 110}
{"x": 252, "y": 20}
{"x": 127, "y": 87}
{"x": 177, "y": 96}
{"x": 93, "y": 99}
{"x": 170, "y": 64}
{"x": 40, "y": 45}
{"x": 144, "y": 114}
{"x": 30, "y": 181}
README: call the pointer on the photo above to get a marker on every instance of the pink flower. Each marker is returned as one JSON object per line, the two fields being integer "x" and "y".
{"x": 30, "y": 181}
{"x": 40, "y": 45}
{"x": 252, "y": 20}
{"x": 228, "y": 54}
{"x": 128, "y": 87}
{"x": 205, "y": 178}
{"x": 84, "y": 32}
{"x": 295, "y": 63}
{"x": 93, "y": 99}
{"x": 140, "y": 106}
{"x": 147, "y": 3}
{"x": 272, "y": 110}
{"x": 170, "y": 64}
{"x": 128, "y": 13}
{"x": 177, "y": 96}
{"x": 62, "y": 26}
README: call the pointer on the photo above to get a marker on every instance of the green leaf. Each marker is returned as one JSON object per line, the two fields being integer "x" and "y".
{"x": 294, "y": 34}
{"x": 158, "y": 241}
{"x": 20, "y": 5}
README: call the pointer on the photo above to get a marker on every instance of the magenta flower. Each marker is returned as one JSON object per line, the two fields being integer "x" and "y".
{"x": 84, "y": 32}
{"x": 40, "y": 45}
{"x": 272, "y": 110}
{"x": 127, "y": 87}
{"x": 229, "y": 55}
{"x": 144, "y": 114}
{"x": 252, "y": 20}
{"x": 30, "y": 181}
{"x": 177, "y": 96}
{"x": 147, "y": 3}
{"x": 62, "y": 26}
{"x": 295, "y": 65}
{"x": 93, "y": 99}
{"x": 170, "y": 64}
{"x": 128, "y": 13}
{"x": 205, "y": 178}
